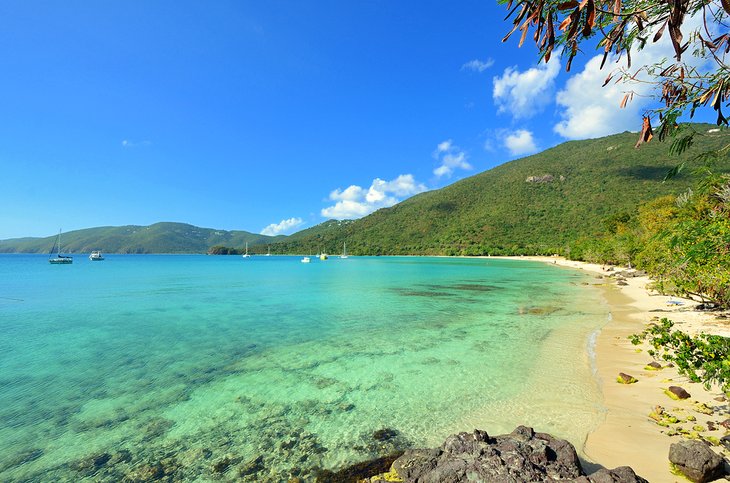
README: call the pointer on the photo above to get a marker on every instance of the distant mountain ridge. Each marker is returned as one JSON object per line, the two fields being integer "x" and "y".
{"x": 537, "y": 204}
{"x": 164, "y": 237}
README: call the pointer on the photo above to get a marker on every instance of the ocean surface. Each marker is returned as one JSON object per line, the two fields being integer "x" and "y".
{"x": 220, "y": 368}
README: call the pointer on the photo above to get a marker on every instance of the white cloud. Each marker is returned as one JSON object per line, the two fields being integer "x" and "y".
{"x": 450, "y": 158}
{"x": 589, "y": 110}
{"x": 282, "y": 226}
{"x": 524, "y": 94}
{"x": 478, "y": 65}
{"x": 356, "y": 202}
{"x": 520, "y": 142}
{"x": 126, "y": 143}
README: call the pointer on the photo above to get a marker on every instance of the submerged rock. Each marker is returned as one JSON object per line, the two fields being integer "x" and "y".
{"x": 384, "y": 434}
{"x": 92, "y": 464}
{"x": 254, "y": 465}
{"x": 696, "y": 461}
{"x": 358, "y": 472}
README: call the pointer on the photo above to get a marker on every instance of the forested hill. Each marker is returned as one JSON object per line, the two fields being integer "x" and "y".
{"x": 157, "y": 238}
{"x": 537, "y": 204}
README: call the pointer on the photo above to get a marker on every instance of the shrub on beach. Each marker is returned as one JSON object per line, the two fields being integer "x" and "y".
{"x": 703, "y": 358}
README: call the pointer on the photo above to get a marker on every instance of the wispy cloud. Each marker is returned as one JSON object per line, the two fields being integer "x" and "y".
{"x": 356, "y": 201}
{"x": 282, "y": 227}
{"x": 126, "y": 143}
{"x": 524, "y": 94}
{"x": 520, "y": 142}
{"x": 478, "y": 65}
{"x": 450, "y": 158}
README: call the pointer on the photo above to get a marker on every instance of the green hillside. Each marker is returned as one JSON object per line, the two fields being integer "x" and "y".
{"x": 157, "y": 238}
{"x": 537, "y": 204}
{"x": 532, "y": 205}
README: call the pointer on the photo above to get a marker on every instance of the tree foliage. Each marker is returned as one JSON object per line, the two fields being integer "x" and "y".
{"x": 682, "y": 241}
{"x": 625, "y": 26}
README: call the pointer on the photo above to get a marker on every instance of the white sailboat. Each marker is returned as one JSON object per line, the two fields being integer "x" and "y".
{"x": 268, "y": 253}
{"x": 246, "y": 255}
{"x": 59, "y": 259}
{"x": 344, "y": 250}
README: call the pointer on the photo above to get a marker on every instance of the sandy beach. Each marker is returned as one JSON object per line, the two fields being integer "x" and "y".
{"x": 628, "y": 436}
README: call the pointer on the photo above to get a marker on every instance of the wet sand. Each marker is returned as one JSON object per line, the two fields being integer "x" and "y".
{"x": 628, "y": 436}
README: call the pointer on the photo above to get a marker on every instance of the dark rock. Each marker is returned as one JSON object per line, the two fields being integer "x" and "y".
{"x": 92, "y": 464}
{"x": 621, "y": 283}
{"x": 624, "y": 378}
{"x": 385, "y": 434}
{"x": 357, "y": 472}
{"x": 622, "y": 474}
{"x": 679, "y": 392}
{"x": 147, "y": 473}
{"x": 346, "y": 407}
{"x": 725, "y": 441}
{"x": 707, "y": 306}
{"x": 696, "y": 460}
{"x": 522, "y": 455}
{"x": 655, "y": 365}
{"x": 711, "y": 426}
{"x": 252, "y": 466}
{"x": 720, "y": 399}
{"x": 221, "y": 465}
{"x": 121, "y": 456}
{"x": 725, "y": 424}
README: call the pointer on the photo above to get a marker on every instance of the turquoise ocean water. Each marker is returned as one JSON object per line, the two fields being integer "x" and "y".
{"x": 207, "y": 368}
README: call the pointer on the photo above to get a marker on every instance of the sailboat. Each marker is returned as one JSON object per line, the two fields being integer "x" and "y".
{"x": 268, "y": 254}
{"x": 246, "y": 255}
{"x": 59, "y": 259}
{"x": 344, "y": 250}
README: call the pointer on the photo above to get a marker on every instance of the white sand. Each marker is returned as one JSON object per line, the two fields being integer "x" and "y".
{"x": 628, "y": 436}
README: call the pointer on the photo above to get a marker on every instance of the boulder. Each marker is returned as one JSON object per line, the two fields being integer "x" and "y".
{"x": 522, "y": 455}
{"x": 624, "y": 378}
{"x": 676, "y": 392}
{"x": 696, "y": 460}
{"x": 622, "y": 474}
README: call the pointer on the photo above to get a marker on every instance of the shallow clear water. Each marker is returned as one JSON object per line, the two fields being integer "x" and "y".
{"x": 187, "y": 360}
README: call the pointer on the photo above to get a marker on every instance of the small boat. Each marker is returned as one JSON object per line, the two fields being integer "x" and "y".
{"x": 344, "y": 251}
{"x": 306, "y": 260}
{"x": 268, "y": 253}
{"x": 96, "y": 256}
{"x": 246, "y": 255}
{"x": 59, "y": 259}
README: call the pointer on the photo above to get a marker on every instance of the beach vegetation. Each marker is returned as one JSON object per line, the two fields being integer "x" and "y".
{"x": 702, "y": 358}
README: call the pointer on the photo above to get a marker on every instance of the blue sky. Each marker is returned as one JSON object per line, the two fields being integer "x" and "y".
{"x": 268, "y": 116}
